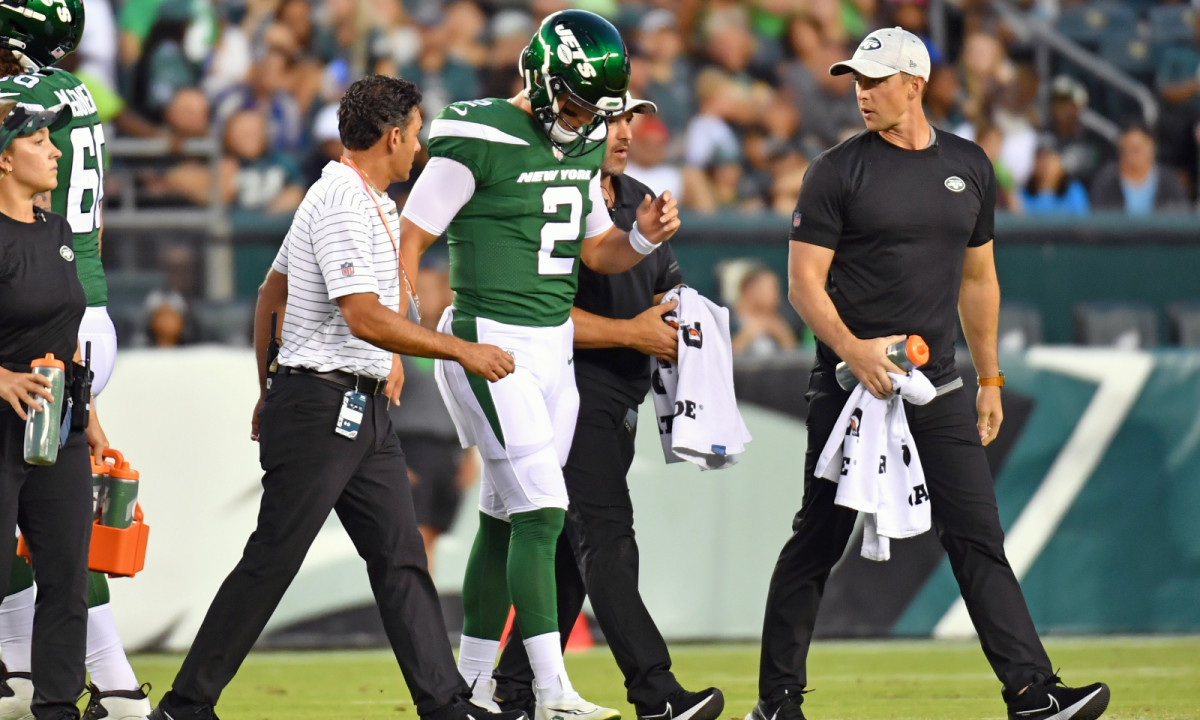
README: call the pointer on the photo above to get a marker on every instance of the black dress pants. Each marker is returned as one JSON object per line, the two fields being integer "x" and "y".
{"x": 964, "y": 517}
{"x": 599, "y": 532}
{"x": 308, "y": 472}
{"x": 52, "y": 505}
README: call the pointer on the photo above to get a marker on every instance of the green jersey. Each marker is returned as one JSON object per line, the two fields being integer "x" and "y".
{"x": 514, "y": 245}
{"x": 80, "y": 169}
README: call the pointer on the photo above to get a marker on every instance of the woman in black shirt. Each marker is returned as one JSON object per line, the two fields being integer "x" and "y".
{"x": 41, "y": 305}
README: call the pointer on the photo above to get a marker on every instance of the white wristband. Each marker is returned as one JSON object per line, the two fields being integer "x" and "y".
{"x": 639, "y": 242}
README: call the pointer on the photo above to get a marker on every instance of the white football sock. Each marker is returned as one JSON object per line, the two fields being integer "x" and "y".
{"x": 546, "y": 659}
{"x": 477, "y": 658}
{"x": 106, "y": 661}
{"x": 16, "y": 629}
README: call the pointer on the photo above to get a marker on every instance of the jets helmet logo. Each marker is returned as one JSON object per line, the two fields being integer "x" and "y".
{"x": 571, "y": 51}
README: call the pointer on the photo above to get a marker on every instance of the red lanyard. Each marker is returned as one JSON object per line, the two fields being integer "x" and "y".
{"x": 379, "y": 209}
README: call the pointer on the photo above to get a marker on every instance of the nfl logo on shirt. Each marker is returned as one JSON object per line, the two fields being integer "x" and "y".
{"x": 796, "y": 219}
{"x": 347, "y": 269}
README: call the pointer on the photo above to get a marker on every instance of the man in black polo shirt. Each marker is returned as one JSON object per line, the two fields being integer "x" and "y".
{"x": 618, "y": 324}
{"x": 892, "y": 236}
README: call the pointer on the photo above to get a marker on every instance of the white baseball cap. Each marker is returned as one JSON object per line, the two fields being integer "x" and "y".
{"x": 637, "y": 105}
{"x": 886, "y": 52}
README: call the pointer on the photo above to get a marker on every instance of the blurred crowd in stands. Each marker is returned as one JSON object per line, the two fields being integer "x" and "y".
{"x": 744, "y": 97}
{"x": 745, "y": 100}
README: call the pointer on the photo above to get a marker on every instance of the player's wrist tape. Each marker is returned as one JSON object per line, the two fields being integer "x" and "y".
{"x": 639, "y": 242}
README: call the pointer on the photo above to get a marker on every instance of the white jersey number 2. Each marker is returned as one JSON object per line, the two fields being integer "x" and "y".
{"x": 553, "y": 233}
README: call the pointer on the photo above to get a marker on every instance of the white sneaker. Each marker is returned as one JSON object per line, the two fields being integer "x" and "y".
{"x": 561, "y": 702}
{"x": 117, "y": 704}
{"x": 16, "y": 693}
{"x": 483, "y": 693}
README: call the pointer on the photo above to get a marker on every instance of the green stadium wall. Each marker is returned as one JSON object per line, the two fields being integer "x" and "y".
{"x": 1049, "y": 263}
{"x": 1100, "y": 497}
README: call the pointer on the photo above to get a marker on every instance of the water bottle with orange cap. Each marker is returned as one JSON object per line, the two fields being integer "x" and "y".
{"x": 42, "y": 428}
{"x": 908, "y": 354}
{"x": 120, "y": 491}
{"x": 99, "y": 482}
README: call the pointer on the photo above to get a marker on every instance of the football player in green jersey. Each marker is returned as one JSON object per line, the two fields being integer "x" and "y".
{"x": 515, "y": 184}
{"x": 35, "y": 34}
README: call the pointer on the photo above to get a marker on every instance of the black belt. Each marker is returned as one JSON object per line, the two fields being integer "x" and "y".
{"x": 361, "y": 383}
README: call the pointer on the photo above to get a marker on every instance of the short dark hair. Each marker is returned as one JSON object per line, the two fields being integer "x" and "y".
{"x": 372, "y": 106}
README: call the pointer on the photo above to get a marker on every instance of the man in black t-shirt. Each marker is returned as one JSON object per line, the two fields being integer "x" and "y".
{"x": 892, "y": 236}
{"x": 618, "y": 324}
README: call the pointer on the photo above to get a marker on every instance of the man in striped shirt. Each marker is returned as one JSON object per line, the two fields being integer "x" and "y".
{"x": 326, "y": 440}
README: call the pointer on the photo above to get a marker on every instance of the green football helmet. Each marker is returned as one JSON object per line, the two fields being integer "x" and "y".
{"x": 42, "y": 31}
{"x": 578, "y": 57}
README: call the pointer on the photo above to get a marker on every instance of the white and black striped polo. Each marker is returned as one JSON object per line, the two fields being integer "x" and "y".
{"x": 337, "y": 246}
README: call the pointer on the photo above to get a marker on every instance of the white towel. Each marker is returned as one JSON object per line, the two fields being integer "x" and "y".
{"x": 698, "y": 417}
{"x": 872, "y": 457}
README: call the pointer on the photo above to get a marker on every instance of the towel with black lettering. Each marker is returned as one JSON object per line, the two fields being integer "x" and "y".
{"x": 872, "y": 457}
{"x": 698, "y": 417}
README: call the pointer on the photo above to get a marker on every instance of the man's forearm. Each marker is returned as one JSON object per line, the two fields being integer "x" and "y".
{"x": 388, "y": 330}
{"x": 414, "y": 241}
{"x": 818, "y": 312}
{"x": 411, "y": 249}
{"x": 594, "y": 331}
{"x": 979, "y": 312}
{"x": 611, "y": 253}
{"x": 272, "y": 298}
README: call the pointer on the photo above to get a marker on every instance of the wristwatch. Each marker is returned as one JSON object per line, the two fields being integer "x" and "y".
{"x": 997, "y": 381}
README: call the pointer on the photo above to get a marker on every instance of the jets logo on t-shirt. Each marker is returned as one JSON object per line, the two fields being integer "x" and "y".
{"x": 67, "y": 253}
{"x": 955, "y": 184}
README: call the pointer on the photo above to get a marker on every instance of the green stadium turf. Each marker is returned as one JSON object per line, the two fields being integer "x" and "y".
{"x": 1152, "y": 678}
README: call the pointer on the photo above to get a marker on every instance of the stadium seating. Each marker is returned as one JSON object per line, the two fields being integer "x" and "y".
{"x": 1020, "y": 326}
{"x": 1183, "y": 323}
{"x": 127, "y": 291}
{"x": 229, "y": 323}
{"x": 1129, "y": 53}
{"x": 1128, "y": 325}
{"x": 1086, "y": 23}
{"x": 1171, "y": 24}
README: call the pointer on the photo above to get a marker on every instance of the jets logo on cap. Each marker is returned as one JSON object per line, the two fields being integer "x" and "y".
{"x": 955, "y": 184}
{"x": 871, "y": 43}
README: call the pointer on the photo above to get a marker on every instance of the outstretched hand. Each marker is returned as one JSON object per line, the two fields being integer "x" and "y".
{"x": 658, "y": 218}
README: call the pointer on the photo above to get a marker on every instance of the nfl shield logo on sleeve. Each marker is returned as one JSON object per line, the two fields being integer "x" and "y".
{"x": 796, "y": 219}
{"x": 347, "y": 269}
